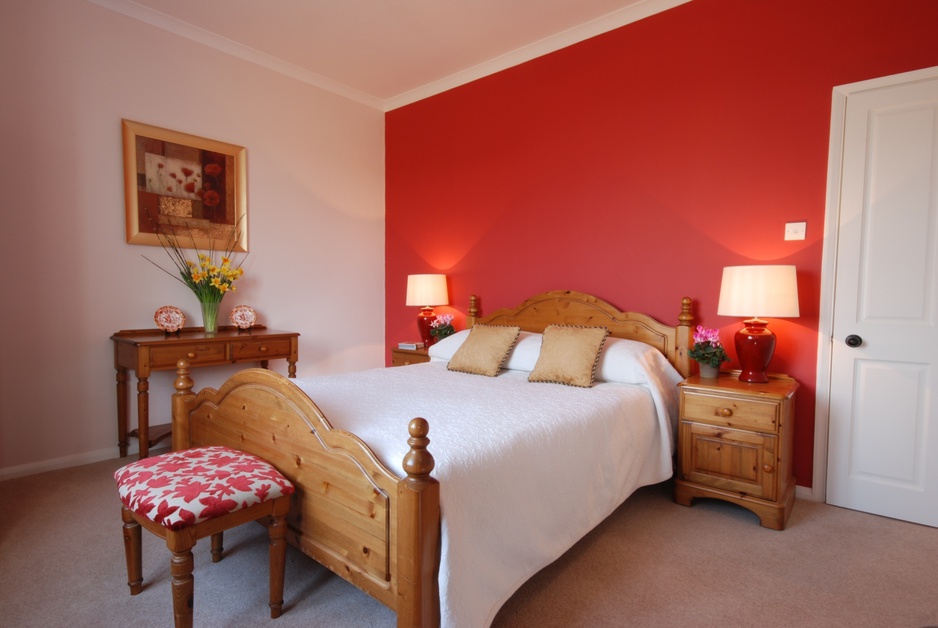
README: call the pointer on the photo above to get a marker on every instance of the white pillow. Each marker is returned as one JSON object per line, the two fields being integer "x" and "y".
{"x": 626, "y": 361}
{"x": 445, "y": 348}
{"x": 523, "y": 356}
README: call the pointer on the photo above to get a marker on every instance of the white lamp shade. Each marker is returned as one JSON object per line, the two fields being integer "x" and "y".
{"x": 754, "y": 291}
{"x": 427, "y": 290}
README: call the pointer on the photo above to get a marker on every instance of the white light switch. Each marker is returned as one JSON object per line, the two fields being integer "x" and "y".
{"x": 795, "y": 230}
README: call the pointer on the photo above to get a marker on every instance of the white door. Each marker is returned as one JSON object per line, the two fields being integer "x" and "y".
{"x": 883, "y": 431}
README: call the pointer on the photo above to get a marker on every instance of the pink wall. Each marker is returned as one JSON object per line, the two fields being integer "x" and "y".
{"x": 637, "y": 164}
{"x": 315, "y": 177}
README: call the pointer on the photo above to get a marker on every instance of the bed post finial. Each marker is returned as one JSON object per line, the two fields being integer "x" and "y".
{"x": 686, "y": 316}
{"x": 418, "y": 462}
{"x": 473, "y": 313}
{"x": 183, "y": 383}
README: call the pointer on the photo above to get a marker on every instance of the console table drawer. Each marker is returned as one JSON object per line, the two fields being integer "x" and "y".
{"x": 167, "y": 357}
{"x": 260, "y": 348}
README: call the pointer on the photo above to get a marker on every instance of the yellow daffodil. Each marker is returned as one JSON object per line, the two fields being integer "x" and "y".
{"x": 209, "y": 280}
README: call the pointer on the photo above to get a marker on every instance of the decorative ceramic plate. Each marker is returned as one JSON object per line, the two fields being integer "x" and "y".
{"x": 169, "y": 318}
{"x": 243, "y": 316}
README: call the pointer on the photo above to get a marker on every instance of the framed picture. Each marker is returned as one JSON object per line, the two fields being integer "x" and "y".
{"x": 190, "y": 188}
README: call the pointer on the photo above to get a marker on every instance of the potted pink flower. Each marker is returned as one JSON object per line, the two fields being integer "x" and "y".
{"x": 708, "y": 351}
{"x": 442, "y": 326}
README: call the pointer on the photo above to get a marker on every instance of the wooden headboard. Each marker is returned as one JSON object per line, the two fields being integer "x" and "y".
{"x": 566, "y": 307}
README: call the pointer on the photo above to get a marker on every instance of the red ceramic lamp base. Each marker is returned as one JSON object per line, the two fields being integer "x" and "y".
{"x": 424, "y": 319}
{"x": 754, "y": 347}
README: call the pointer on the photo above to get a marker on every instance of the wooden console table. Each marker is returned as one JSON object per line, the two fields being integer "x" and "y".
{"x": 145, "y": 350}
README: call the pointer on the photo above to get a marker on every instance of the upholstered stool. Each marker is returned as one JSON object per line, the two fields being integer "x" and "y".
{"x": 187, "y": 495}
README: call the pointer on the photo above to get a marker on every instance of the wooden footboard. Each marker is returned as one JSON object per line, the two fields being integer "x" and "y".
{"x": 349, "y": 512}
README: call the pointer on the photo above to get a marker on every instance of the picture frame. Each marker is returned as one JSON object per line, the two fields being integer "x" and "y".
{"x": 190, "y": 188}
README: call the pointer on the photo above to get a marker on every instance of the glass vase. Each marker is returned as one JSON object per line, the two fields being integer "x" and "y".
{"x": 210, "y": 316}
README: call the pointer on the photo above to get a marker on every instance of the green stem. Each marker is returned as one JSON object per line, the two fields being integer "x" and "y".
{"x": 210, "y": 316}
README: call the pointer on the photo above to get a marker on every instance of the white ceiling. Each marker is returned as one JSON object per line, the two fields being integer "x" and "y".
{"x": 388, "y": 53}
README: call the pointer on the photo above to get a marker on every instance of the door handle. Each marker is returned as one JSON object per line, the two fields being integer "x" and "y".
{"x": 853, "y": 341}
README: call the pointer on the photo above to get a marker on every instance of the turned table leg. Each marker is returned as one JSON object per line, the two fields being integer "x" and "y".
{"x": 143, "y": 416}
{"x": 123, "y": 410}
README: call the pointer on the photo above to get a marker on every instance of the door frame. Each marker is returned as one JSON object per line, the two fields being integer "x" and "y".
{"x": 818, "y": 490}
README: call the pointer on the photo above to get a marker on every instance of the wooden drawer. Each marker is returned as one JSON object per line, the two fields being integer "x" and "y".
{"x": 731, "y": 460}
{"x": 260, "y": 348}
{"x": 740, "y": 412}
{"x": 166, "y": 357}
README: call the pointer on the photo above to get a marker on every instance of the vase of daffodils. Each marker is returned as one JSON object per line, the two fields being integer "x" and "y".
{"x": 209, "y": 277}
{"x": 210, "y": 282}
{"x": 708, "y": 351}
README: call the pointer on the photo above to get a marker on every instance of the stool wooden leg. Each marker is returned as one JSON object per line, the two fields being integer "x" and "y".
{"x": 277, "y": 532}
{"x": 181, "y": 564}
{"x": 132, "y": 551}
{"x": 218, "y": 546}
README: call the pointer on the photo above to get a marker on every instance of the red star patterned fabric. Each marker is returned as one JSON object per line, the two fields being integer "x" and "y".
{"x": 182, "y": 488}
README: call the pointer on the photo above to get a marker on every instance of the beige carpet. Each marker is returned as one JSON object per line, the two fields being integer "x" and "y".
{"x": 651, "y": 563}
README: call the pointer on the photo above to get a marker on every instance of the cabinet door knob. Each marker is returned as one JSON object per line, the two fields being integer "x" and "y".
{"x": 768, "y": 468}
{"x": 725, "y": 412}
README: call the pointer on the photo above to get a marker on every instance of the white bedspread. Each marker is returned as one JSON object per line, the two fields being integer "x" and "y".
{"x": 525, "y": 469}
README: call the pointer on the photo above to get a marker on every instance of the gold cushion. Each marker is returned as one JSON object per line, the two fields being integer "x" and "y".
{"x": 569, "y": 355}
{"x": 484, "y": 350}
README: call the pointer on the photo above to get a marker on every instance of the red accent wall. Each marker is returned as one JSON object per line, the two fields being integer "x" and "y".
{"x": 637, "y": 164}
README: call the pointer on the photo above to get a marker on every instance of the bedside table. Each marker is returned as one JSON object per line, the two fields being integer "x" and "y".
{"x": 403, "y": 357}
{"x": 735, "y": 444}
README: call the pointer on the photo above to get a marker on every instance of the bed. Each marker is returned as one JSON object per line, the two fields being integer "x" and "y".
{"x": 446, "y": 541}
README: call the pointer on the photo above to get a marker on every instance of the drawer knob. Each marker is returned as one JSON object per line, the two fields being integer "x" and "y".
{"x": 263, "y": 349}
{"x": 768, "y": 468}
{"x": 725, "y": 412}
{"x": 190, "y": 355}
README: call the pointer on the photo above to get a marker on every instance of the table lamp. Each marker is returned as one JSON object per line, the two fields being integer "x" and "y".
{"x": 426, "y": 291}
{"x": 757, "y": 291}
